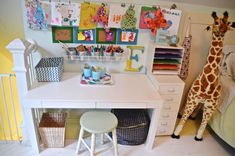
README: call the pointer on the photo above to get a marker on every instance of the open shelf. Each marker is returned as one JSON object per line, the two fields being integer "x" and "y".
{"x": 166, "y": 59}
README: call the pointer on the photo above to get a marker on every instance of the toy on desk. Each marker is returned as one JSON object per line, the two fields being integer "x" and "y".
{"x": 95, "y": 75}
{"x": 129, "y": 65}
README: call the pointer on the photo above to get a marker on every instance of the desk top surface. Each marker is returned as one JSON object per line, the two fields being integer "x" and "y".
{"x": 126, "y": 88}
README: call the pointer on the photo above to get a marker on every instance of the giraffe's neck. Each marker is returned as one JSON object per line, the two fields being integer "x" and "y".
{"x": 214, "y": 58}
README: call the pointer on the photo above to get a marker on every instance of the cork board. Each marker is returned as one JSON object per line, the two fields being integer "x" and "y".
{"x": 104, "y": 37}
{"x": 63, "y": 34}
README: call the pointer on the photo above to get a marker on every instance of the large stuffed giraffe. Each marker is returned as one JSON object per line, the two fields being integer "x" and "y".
{"x": 206, "y": 89}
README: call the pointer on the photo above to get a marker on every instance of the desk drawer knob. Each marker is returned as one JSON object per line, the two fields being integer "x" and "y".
{"x": 164, "y": 124}
{"x": 169, "y": 99}
{"x": 162, "y": 131}
{"x": 172, "y": 90}
{"x": 167, "y": 108}
{"x": 166, "y": 116}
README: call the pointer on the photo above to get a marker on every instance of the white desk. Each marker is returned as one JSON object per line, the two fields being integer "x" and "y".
{"x": 128, "y": 91}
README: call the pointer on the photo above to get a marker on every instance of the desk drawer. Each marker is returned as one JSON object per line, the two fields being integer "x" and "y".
{"x": 67, "y": 104}
{"x": 170, "y": 89}
{"x": 120, "y": 105}
{"x": 165, "y": 115}
{"x": 165, "y": 127}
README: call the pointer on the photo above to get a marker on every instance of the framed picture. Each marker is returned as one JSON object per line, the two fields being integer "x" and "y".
{"x": 83, "y": 36}
{"x": 63, "y": 34}
{"x": 128, "y": 36}
{"x": 106, "y": 37}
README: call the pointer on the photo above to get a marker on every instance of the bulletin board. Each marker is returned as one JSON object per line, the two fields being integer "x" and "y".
{"x": 63, "y": 34}
{"x": 103, "y": 37}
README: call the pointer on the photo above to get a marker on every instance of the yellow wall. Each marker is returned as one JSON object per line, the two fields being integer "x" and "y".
{"x": 11, "y": 27}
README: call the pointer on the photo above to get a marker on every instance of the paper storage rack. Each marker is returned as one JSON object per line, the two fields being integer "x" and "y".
{"x": 166, "y": 60}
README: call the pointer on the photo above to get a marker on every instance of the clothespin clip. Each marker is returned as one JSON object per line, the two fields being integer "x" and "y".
{"x": 123, "y": 5}
{"x": 173, "y": 6}
{"x": 69, "y": 2}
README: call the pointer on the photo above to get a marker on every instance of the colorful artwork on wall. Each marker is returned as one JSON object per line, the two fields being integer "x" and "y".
{"x": 35, "y": 16}
{"x": 116, "y": 11}
{"x": 129, "y": 18}
{"x": 63, "y": 34}
{"x": 146, "y": 12}
{"x": 165, "y": 35}
{"x": 65, "y": 14}
{"x": 128, "y": 36}
{"x": 46, "y": 7}
{"x": 106, "y": 37}
{"x": 83, "y": 36}
{"x": 88, "y": 11}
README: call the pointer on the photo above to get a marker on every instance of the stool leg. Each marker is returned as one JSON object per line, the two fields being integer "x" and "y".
{"x": 92, "y": 144}
{"x": 101, "y": 138}
{"x": 79, "y": 140}
{"x": 114, "y": 135}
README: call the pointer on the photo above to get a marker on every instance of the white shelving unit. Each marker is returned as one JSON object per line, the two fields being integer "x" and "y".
{"x": 165, "y": 59}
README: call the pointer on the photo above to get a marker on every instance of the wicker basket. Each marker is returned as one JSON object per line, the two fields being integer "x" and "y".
{"x": 133, "y": 125}
{"x": 50, "y": 69}
{"x": 52, "y": 129}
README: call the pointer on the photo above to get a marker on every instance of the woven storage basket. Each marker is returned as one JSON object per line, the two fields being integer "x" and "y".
{"x": 132, "y": 126}
{"x": 52, "y": 129}
{"x": 50, "y": 69}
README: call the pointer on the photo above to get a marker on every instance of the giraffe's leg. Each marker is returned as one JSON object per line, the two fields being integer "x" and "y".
{"x": 208, "y": 111}
{"x": 189, "y": 108}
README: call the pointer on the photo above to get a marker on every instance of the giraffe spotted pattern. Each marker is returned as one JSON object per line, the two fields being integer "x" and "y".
{"x": 206, "y": 89}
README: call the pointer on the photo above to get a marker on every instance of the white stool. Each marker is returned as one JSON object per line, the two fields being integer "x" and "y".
{"x": 98, "y": 122}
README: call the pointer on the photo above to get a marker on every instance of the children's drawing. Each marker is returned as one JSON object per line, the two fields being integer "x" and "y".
{"x": 109, "y": 36}
{"x": 166, "y": 34}
{"x": 173, "y": 20}
{"x": 35, "y": 16}
{"x": 106, "y": 36}
{"x": 146, "y": 12}
{"x": 56, "y": 18}
{"x": 83, "y": 36}
{"x": 46, "y": 7}
{"x": 116, "y": 11}
{"x": 88, "y": 11}
{"x": 128, "y": 36}
{"x": 62, "y": 34}
{"x": 156, "y": 22}
{"x": 101, "y": 16}
{"x": 65, "y": 14}
{"x": 129, "y": 18}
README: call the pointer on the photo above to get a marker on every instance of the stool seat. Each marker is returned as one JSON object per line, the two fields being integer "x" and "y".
{"x": 98, "y": 122}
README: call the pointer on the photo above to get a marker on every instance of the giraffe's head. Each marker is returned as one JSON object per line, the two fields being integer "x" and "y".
{"x": 221, "y": 25}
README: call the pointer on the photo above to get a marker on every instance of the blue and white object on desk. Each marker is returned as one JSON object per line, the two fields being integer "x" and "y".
{"x": 87, "y": 72}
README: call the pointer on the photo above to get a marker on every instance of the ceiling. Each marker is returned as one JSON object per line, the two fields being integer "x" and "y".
{"x": 229, "y": 4}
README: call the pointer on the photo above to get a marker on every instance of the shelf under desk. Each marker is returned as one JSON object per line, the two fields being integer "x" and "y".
{"x": 127, "y": 91}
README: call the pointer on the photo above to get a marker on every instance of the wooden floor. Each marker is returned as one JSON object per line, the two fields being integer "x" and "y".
{"x": 165, "y": 146}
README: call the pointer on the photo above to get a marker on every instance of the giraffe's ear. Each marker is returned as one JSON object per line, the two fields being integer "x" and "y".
{"x": 208, "y": 28}
{"x": 233, "y": 25}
